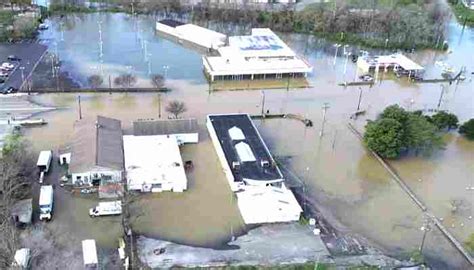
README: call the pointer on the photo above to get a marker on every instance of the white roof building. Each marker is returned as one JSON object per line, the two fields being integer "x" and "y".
{"x": 267, "y": 204}
{"x": 192, "y": 33}
{"x": 154, "y": 164}
{"x": 257, "y": 56}
{"x": 395, "y": 61}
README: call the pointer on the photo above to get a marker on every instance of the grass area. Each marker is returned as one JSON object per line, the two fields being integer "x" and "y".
{"x": 6, "y": 19}
{"x": 463, "y": 14}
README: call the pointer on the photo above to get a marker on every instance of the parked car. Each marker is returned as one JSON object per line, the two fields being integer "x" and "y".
{"x": 8, "y": 65}
{"x": 3, "y": 74}
{"x": 366, "y": 78}
{"x": 13, "y": 58}
{"x": 43, "y": 26}
{"x": 9, "y": 90}
{"x": 2, "y": 80}
{"x": 5, "y": 69}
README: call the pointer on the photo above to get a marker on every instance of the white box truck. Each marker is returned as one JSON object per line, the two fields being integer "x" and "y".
{"x": 89, "y": 254}
{"x": 46, "y": 200}
{"x": 44, "y": 161}
{"x": 106, "y": 209}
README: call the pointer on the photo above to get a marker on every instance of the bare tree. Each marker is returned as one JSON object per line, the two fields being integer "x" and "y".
{"x": 125, "y": 80}
{"x": 95, "y": 81}
{"x": 176, "y": 108}
{"x": 158, "y": 80}
{"x": 16, "y": 171}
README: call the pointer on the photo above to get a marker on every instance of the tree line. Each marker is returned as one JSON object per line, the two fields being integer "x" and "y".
{"x": 397, "y": 132}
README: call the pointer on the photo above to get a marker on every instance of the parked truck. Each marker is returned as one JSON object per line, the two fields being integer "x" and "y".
{"x": 106, "y": 209}
{"x": 44, "y": 161}
{"x": 89, "y": 254}
{"x": 46, "y": 201}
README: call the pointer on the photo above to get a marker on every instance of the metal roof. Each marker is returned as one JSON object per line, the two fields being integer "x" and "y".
{"x": 164, "y": 127}
{"x": 97, "y": 145}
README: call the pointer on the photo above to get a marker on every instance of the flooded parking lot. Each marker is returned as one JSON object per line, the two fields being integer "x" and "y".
{"x": 340, "y": 174}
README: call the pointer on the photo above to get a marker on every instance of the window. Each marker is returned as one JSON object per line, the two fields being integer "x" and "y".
{"x": 78, "y": 178}
{"x": 156, "y": 186}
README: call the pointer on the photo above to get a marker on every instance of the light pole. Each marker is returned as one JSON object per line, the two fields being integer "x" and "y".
{"x": 263, "y": 103}
{"x": 165, "y": 68}
{"x": 22, "y": 76}
{"x": 440, "y": 97}
{"x": 325, "y": 108}
{"x": 52, "y": 64}
{"x": 425, "y": 228}
{"x": 56, "y": 69}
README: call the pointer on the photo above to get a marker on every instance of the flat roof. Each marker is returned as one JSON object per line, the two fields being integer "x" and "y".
{"x": 171, "y": 23}
{"x": 250, "y": 165}
{"x": 261, "y": 43}
{"x": 153, "y": 159}
{"x": 259, "y": 204}
{"x": 393, "y": 59}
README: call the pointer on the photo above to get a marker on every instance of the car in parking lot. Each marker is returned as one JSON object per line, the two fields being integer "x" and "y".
{"x": 9, "y": 90}
{"x": 13, "y": 58}
{"x": 3, "y": 74}
{"x": 2, "y": 80}
{"x": 8, "y": 65}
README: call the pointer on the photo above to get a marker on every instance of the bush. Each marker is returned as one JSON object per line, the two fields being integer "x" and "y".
{"x": 467, "y": 129}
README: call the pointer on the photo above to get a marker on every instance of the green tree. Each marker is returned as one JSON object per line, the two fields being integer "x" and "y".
{"x": 467, "y": 129}
{"x": 384, "y": 136}
{"x": 395, "y": 112}
{"x": 443, "y": 120}
{"x": 421, "y": 135}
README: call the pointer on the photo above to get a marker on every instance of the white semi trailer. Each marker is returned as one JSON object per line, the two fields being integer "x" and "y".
{"x": 44, "y": 162}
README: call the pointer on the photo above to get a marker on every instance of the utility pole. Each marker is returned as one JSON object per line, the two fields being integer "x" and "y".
{"x": 159, "y": 105}
{"x": 425, "y": 228}
{"x": 288, "y": 83}
{"x": 79, "y": 103}
{"x": 263, "y": 103}
{"x": 360, "y": 99}
{"x": 325, "y": 108}
{"x": 441, "y": 96}
{"x": 334, "y": 140}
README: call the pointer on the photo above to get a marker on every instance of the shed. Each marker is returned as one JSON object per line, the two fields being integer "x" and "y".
{"x": 22, "y": 212}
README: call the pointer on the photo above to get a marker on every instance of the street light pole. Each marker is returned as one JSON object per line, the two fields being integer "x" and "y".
{"x": 441, "y": 96}
{"x": 325, "y": 108}
{"x": 263, "y": 103}
{"x": 22, "y": 76}
{"x": 360, "y": 99}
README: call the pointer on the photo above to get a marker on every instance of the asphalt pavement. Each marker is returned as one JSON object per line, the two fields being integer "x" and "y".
{"x": 29, "y": 53}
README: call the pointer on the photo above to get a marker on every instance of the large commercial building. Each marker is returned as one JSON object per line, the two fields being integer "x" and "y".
{"x": 251, "y": 171}
{"x": 261, "y": 55}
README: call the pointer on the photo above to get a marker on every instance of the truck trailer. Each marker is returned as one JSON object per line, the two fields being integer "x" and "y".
{"x": 106, "y": 209}
{"x": 44, "y": 161}
{"x": 46, "y": 200}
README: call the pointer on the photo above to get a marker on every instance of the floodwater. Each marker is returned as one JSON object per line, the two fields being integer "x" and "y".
{"x": 339, "y": 173}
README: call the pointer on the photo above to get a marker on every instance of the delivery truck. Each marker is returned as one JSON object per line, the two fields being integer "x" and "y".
{"x": 106, "y": 209}
{"x": 44, "y": 161}
{"x": 46, "y": 201}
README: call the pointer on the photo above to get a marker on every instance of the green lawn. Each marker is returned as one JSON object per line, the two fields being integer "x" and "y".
{"x": 463, "y": 14}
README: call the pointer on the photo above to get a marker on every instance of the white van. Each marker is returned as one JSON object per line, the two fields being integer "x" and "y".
{"x": 106, "y": 209}
{"x": 46, "y": 200}
{"x": 89, "y": 254}
{"x": 44, "y": 161}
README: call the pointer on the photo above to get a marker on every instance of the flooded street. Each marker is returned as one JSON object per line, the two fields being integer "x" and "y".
{"x": 339, "y": 173}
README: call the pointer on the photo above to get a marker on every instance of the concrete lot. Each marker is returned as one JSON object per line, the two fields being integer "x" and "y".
{"x": 266, "y": 245}
{"x": 29, "y": 53}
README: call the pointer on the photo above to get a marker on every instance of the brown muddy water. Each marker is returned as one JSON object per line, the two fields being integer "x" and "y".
{"x": 338, "y": 171}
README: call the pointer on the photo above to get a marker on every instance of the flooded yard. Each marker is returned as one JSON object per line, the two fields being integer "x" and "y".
{"x": 338, "y": 171}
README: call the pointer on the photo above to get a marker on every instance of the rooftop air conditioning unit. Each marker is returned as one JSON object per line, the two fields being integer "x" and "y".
{"x": 264, "y": 163}
{"x": 235, "y": 165}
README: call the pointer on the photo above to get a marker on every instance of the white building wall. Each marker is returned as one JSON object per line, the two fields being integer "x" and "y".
{"x": 183, "y": 138}
{"x": 86, "y": 177}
